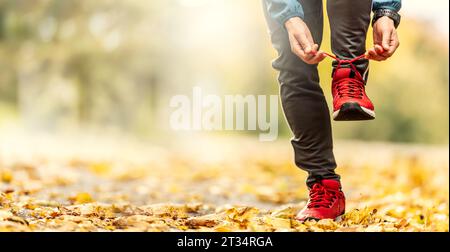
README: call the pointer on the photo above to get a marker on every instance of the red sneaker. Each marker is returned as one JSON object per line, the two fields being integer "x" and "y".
{"x": 350, "y": 101}
{"x": 326, "y": 201}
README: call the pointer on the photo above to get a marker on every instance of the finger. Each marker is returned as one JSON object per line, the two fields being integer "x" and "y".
{"x": 305, "y": 43}
{"x": 309, "y": 37}
{"x": 315, "y": 49}
{"x": 378, "y": 49}
{"x": 394, "y": 43}
{"x": 296, "y": 48}
{"x": 309, "y": 58}
{"x": 376, "y": 58}
{"x": 373, "y": 55}
{"x": 320, "y": 55}
{"x": 370, "y": 53}
{"x": 386, "y": 39}
{"x": 374, "y": 51}
{"x": 377, "y": 38}
{"x": 316, "y": 58}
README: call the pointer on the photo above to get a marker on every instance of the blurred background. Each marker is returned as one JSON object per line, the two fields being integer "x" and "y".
{"x": 112, "y": 66}
{"x": 84, "y": 120}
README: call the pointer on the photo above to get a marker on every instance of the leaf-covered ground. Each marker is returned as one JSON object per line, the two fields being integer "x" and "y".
{"x": 218, "y": 184}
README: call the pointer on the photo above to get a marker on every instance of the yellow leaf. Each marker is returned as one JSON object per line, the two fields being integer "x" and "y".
{"x": 327, "y": 224}
{"x": 82, "y": 198}
{"x": 285, "y": 213}
{"x": 100, "y": 168}
{"x": 6, "y": 176}
{"x": 277, "y": 223}
{"x": 206, "y": 221}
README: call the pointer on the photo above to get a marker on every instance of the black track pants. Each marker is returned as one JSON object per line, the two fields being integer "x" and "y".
{"x": 302, "y": 97}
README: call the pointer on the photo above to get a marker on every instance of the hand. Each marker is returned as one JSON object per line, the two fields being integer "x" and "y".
{"x": 385, "y": 40}
{"x": 302, "y": 43}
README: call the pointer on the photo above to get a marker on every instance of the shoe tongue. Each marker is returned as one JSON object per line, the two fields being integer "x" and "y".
{"x": 331, "y": 184}
{"x": 342, "y": 73}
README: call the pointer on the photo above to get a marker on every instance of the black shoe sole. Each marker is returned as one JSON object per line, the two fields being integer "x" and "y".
{"x": 351, "y": 111}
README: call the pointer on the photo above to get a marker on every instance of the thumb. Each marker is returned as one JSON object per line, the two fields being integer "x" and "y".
{"x": 314, "y": 49}
{"x": 386, "y": 39}
{"x": 378, "y": 49}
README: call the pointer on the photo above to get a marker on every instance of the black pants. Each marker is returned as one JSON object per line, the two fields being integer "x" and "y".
{"x": 302, "y": 97}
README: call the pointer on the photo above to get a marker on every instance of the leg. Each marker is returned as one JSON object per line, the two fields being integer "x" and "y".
{"x": 349, "y": 21}
{"x": 303, "y": 101}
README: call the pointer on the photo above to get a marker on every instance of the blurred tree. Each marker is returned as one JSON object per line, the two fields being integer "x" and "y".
{"x": 115, "y": 64}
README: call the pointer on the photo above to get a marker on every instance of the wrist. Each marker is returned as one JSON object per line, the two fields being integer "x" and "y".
{"x": 385, "y": 20}
{"x": 291, "y": 22}
{"x": 391, "y": 14}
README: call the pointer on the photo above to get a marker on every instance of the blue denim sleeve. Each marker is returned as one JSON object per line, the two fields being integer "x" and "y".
{"x": 282, "y": 10}
{"x": 387, "y": 4}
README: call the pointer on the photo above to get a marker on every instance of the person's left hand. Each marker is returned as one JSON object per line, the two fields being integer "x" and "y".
{"x": 385, "y": 40}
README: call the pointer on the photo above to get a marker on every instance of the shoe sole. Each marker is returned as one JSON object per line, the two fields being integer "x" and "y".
{"x": 352, "y": 111}
{"x": 338, "y": 218}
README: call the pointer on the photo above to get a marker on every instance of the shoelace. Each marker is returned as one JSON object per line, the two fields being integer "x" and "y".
{"x": 349, "y": 87}
{"x": 319, "y": 196}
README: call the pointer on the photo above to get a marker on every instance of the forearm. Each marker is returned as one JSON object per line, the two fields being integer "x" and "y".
{"x": 283, "y": 10}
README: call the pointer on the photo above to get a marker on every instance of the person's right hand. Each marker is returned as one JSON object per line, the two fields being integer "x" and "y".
{"x": 302, "y": 43}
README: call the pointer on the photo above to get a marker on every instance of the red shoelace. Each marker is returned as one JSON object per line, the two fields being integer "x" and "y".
{"x": 349, "y": 87}
{"x": 319, "y": 196}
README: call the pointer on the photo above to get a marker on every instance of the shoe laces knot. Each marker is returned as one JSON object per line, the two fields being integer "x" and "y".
{"x": 320, "y": 196}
